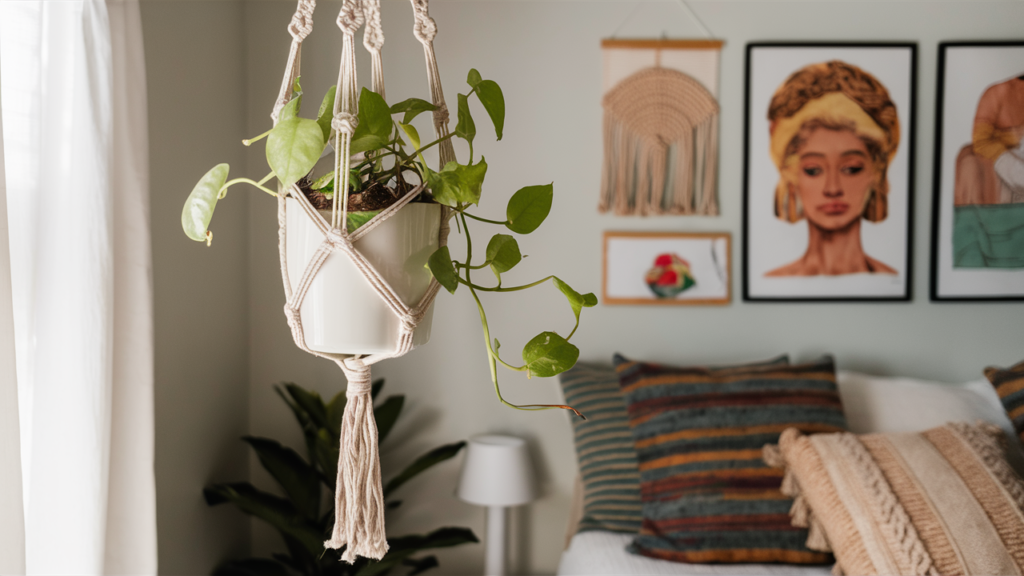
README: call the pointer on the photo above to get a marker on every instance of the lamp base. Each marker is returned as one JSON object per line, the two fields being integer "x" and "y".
{"x": 494, "y": 548}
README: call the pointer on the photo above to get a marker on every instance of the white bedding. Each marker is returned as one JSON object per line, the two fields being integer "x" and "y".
{"x": 597, "y": 552}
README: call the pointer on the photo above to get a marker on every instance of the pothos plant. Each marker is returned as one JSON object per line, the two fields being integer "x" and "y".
{"x": 389, "y": 159}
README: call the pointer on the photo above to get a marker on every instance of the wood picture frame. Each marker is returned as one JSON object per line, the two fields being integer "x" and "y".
{"x": 977, "y": 242}
{"x": 803, "y": 99}
{"x": 666, "y": 268}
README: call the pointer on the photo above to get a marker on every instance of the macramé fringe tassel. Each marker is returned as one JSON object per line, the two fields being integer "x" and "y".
{"x": 660, "y": 146}
{"x": 359, "y": 498}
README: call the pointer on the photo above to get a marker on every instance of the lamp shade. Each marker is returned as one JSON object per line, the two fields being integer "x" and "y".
{"x": 497, "y": 471}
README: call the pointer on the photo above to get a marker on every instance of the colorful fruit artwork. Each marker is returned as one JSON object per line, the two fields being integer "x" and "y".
{"x": 670, "y": 276}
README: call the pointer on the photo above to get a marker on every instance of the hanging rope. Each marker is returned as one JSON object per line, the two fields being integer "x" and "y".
{"x": 359, "y": 501}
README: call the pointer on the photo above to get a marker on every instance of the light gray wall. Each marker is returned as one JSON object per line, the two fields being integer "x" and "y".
{"x": 197, "y": 102}
{"x": 545, "y": 55}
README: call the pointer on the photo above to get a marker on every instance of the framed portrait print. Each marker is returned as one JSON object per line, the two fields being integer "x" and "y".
{"x": 666, "y": 268}
{"x": 978, "y": 211}
{"x": 828, "y": 177}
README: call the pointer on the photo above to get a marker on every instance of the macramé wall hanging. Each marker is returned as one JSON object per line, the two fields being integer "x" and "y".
{"x": 660, "y": 126}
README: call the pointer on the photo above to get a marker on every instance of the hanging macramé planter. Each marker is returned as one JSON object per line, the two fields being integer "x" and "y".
{"x": 660, "y": 127}
{"x": 355, "y": 266}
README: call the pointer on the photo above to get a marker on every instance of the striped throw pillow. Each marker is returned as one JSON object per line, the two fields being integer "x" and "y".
{"x": 1009, "y": 384}
{"x": 707, "y": 494}
{"x": 604, "y": 448}
{"x": 943, "y": 501}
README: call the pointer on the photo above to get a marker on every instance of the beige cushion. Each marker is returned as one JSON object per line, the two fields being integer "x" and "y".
{"x": 943, "y": 501}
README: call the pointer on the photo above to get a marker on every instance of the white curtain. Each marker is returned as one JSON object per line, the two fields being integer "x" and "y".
{"x": 75, "y": 142}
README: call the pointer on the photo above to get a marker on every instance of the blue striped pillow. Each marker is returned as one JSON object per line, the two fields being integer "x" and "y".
{"x": 604, "y": 448}
{"x": 707, "y": 495}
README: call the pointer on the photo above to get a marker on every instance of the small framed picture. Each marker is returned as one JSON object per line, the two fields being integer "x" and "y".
{"x": 978, "y": 211}
{"x": 828, "y": 187}
{"x": 666, "y": 268}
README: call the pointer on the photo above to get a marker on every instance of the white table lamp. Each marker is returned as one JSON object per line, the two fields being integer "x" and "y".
{"x": 496, "y": 473}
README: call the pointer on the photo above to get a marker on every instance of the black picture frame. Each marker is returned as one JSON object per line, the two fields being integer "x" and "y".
{"x": 944, "y": 278}
{"x": 824, "y": 288}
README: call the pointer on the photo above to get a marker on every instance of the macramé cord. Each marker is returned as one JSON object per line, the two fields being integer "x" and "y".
{"x": 359, "y": 500}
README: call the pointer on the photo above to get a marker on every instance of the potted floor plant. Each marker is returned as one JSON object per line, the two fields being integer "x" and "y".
{"x": 387, "y": 164}
{"x": 303, "y": 517}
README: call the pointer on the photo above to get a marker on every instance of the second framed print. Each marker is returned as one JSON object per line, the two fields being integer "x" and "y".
{"x": 829, "y": 171}
{"x": 978, "y": 218}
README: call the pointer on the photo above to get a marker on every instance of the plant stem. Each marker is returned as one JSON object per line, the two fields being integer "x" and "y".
{"x": 468, "y": 267}
{"x": 224, "y": 189}
{"x": 479, "y": 219}
{"x": 492, "y": 356}
{"x": 251, "y": 141}
{"x": 421, "y": 149}
{"x": 500, "y": 289}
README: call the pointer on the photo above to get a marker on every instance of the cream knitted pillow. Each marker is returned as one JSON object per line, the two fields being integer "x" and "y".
{"x": 943, "y": 501}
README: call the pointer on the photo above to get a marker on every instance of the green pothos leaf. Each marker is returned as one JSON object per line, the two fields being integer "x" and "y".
{"x": 548, "y": 354}
{"x": 440, "y": 264}
{"x": 198, "y": 209}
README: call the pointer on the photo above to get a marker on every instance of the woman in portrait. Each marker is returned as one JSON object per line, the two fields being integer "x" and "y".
{"x": 834, "y": 131}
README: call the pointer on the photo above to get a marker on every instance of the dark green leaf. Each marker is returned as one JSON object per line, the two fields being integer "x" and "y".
{"x": 435, "y": 456}
{"x": 277, "y": 512}
{"x": 503, "y": 253}
{"x": 326, "y": 113}
{"x": 402, "y": 548}
{"x": 473, "y": 78}
{"x": 440, "y": 263}
{"x": 420, "y": 565}
{"x": 310, "y": 403}
{"x": 298, "y": 479}
{"x": 293, "y": 147}
{"x": 198, "y": 210}
{"x": 528, "y": 208}
{"x": 386, "y": 414}
{"x": 335, "y": 411}
{"x": 307, "y": 426}
{"x": 250, "y": 567}
{"x": 576, "y": 300}
{"x": 288, "y": 561}
{"x": 412, "y": 108}
{"x": 548, "y": 354}
{"x": 465, "y": 129}
{"x": 326, "y": 448}
{"x": 494, "y": 102}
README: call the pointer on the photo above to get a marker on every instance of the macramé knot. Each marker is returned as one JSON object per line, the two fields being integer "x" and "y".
{"x": 358, "y": 375}
{"x": 351, "y": 17}
{"x": 292, "y": 315}
{"x": 344, "y": 123}
{"x": 339, "y": 241}
{"x": 441, "y": 116}
{"x": 424, "y": 28}
{"x": 302, "y": 21}
{"x": 410, "y": 321}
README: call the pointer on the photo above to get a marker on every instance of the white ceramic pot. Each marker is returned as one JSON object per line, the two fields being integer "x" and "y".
{"x": 341, "y": 312}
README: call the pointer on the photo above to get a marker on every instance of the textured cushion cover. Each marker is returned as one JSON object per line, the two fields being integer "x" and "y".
{"x": 604, "y": 448}
{"x": 1009, "y": 384}
{"x": 943, "y": 501}
{"x": 707, "y": 495}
